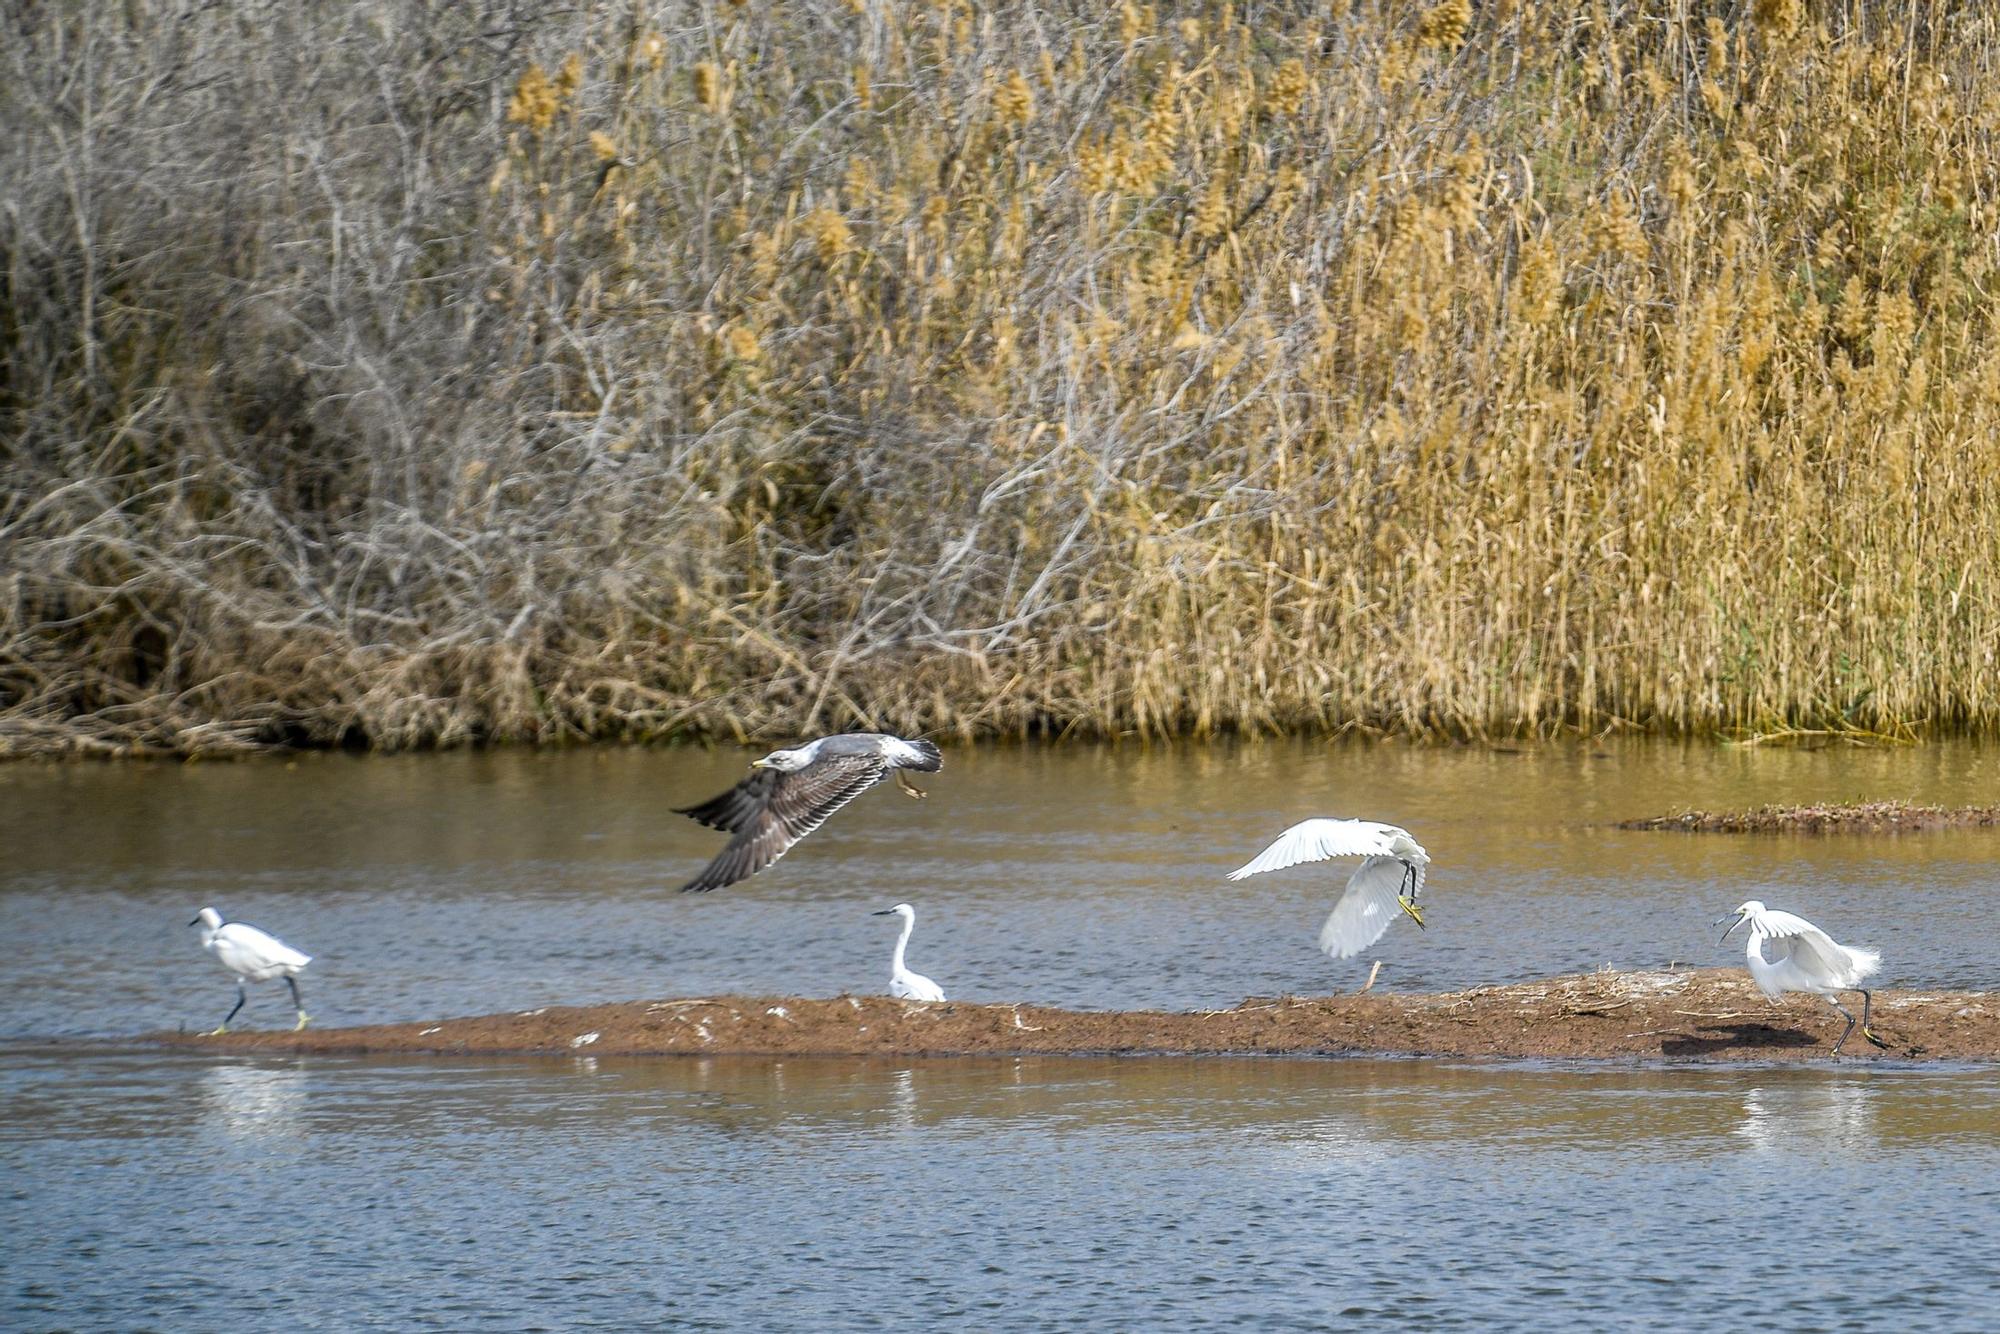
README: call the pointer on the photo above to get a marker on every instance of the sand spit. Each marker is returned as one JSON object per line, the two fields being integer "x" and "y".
{"x": 1710, "y": 1015}
{"x": 1867, "y": 817}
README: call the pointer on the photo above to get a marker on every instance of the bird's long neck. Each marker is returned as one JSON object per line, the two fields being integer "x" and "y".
{"x": 896, "y": 959}
{"x": 1769, "y": 977}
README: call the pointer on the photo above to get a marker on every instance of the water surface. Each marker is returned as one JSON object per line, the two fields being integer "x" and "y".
{"x": 186, "y": 1192}
{"x": 1087, "y": 876}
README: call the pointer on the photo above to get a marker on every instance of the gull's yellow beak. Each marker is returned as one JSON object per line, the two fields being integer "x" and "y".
{"x": 760, "y": 764}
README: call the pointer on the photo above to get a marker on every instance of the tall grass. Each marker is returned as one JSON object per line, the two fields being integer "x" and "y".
{"x": 404, "y": 373}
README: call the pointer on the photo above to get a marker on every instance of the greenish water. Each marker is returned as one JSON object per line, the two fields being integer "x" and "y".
{"x": 146, "y": 1189}
{"x": 1088, "y": 876}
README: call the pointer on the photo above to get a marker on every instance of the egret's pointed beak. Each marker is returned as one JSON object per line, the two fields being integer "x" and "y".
{"x": 195, "y": 922}
{"x": 1740, "y": 919}
{"x": 886, "y": 912}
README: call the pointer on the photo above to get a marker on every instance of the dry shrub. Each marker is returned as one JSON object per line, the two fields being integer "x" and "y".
{"x": 405, "y": 374}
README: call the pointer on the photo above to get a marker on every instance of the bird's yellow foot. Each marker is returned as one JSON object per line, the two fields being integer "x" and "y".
{"x": 217, "y": 1031}
{"x": 909, "y": 789}
{"x": 1869, "y": 1033}
{"x": 304, "y": 1019}
{"x": 1416, "y": 913}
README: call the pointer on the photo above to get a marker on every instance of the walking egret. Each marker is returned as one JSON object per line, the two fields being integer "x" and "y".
{"x": 254, "y": 956}
{"x": 1808, "y": 959}
{"x": 1392, "y": 862}
{"x": 793, "y": 791}
{"x": 904, "y": 984}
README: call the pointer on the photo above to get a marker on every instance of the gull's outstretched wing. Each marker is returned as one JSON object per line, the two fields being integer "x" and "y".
{"x": 1317, "y": 840}
{"x": 771, "y": 810}
{"x": 738, "y": 806}
{"x": 1366, "y": 907}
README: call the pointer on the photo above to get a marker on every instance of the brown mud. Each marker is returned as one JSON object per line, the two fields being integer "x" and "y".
{"x": 1868, "y": 817}
{"x": 1712, "y": 1015}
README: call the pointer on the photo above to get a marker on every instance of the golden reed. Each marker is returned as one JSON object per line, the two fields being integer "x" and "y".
{"x": 1449, "y": 370}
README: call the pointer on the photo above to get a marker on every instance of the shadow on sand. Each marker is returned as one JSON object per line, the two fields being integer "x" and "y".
{"x": 1736, "y": 1037}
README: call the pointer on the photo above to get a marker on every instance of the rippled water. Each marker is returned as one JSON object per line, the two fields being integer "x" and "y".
{"x": 1088, "y": 876}
{"x": 186, "y": 1192}
{"x": 146, "y": 1189}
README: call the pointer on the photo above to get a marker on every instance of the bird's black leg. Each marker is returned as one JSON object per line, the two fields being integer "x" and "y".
{"x": 1409, "y": 900}
{"x": 1845, "y": 1031}
{"x": 297, "y": 1004}
{"x": 1867, "y": 1032}
{"x": 241, "y": 996}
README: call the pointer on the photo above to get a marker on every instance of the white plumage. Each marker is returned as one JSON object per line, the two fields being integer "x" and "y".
{"x": 904, "y": 984}
{"x": 1392, "y": 861}
{"x": 1805, "y": 958}
{"x": 254, "y": 956}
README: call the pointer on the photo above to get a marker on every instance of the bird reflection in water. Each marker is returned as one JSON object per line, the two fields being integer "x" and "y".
{"x": 254, "y": 1100}
{"x": 1838, "y": 1112}
{"x": 903, "y": 1100}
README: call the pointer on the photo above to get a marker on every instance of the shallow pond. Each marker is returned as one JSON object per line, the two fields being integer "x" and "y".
{"x": 1085, "y": 876}
{"x": 148, "y": 1190}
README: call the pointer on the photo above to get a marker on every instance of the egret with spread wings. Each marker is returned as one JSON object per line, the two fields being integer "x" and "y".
{"x": 1392, "y": 862}
{"x": 792, "y": 792}
{"x": 1805, "y": 959}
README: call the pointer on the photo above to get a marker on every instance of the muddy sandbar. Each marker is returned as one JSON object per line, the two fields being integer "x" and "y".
{"x": 1694, "y": 1015}
{"x": 1866, "y": 817}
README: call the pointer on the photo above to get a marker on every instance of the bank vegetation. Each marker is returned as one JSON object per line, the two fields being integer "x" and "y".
{"x": 400, "y": 373}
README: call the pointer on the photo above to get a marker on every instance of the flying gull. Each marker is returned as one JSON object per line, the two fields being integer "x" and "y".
{"x": 793, "y": 791}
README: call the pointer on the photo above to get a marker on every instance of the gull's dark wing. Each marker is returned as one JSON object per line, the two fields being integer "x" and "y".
{"x": 736, "y": 807}
{"x": 771, "y": 810}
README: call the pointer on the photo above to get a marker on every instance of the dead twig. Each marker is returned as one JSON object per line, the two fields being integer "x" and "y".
{"x": 1596, "y": 1009}
{"x": 1730, "y": 1014}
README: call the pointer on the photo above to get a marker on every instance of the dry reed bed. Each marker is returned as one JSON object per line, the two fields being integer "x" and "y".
{"x": 409, "y": 374}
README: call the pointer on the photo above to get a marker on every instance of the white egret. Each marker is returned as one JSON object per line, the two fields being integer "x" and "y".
{"x": 1808, "y": 959}
{"x": 1392, "y": 861}
{"x": 793, "y": 791}
{"x": 254, "y": 956}
{"x": 904, "y": 984}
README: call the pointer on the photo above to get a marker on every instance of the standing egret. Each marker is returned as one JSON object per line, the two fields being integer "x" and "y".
{"x": 1808, "y": 960}
{"x": 904, "y": 984}
{"x": 254, "y": 956}
{"x": 793, "y": 791}
{"x": 1392, "y": 862}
